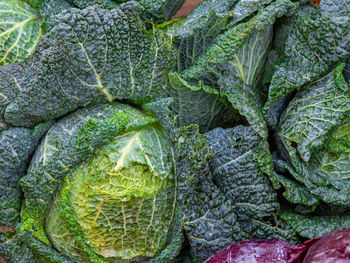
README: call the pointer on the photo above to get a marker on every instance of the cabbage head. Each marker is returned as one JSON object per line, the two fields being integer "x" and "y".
{"x": 113, "y": 169}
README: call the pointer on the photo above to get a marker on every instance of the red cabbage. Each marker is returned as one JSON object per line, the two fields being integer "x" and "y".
{"x": 331, "y": 248}
{"x": 262, "y": 251}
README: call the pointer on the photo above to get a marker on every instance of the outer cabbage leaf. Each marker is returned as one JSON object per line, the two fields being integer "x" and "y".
{"x": 11, "y": 80}
{"x": 237, "y": 173}
{"x": 315, "y": 226}
{"x": 62, "y": 164}
{"x": 207, "y": 21}
{"x": 315, "y": 161}
{"x": 241, "y": 50}
{"x": 15, "y": 247}
{"x": 97, "y": 56}
{"x": 194, "y": 35}
{"x": 219, "y": 7}
{"x": 242, "y": 98}
{"x": 107, "y": 4}
{"x": 48, "y": 9}
{"x": 235, "y": 60}
{"x": 313, "y": 113}
{"x": 199, "y": 105}
{"x": 315, "y": 44}
{"x": 346, "y": 71}
{"x": 295, "y": 192}
{"x": 209, "y": 219}
{"x": 12, "y": 248}
{"x": 171, "y": 253}
{"x": 20, "y": 31}
{"x": 161, "y": 10}
{"x": 16, "y": 147}
{"x": 324, "y": 176}
{"x": 244, "y": 9}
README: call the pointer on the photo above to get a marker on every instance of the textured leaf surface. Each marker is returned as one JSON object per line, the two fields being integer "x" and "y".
{"x": 241, "y": 50}
{"x": 207, "y": 21}
{"x": 237, "y": 173}
{"x": 130, "y": 188}
{"x": 335, "y": 7}
{"x": 97, "y": 56}
{"x": 242, "y": 99}
{"x": 107, "y": 4}
{"x": 324, "y": 176}
{"x": 235, "y": 60}
{"x": 244, "y": 9}
{"x": 193, "y": 36}
{"x": 312, "y": 227}
{"x": 199, "y": 105}
{"x": 314, "y": 45}
{"x": 68, "y": 143}
{"x": 12, "y": 248}
{"x": 314, "y": 161}
{"x": 161, "y": 10}
{"x": 297, "y": 193}
{"x": 313, "y": 113}
{"x": 233, "y": 52}
{"x": 48, "y": 9}
{"x": 16, "y": 147}
{"x": 11, "y": 79}
{"x": 346, "y": 71}
{"x": 209, "y": 219}
{"x": 20, "y": 31}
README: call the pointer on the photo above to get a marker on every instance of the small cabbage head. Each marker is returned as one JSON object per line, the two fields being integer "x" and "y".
{"x": 109, "y": 186}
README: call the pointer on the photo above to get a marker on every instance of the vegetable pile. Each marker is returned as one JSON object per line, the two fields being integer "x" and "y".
{"x": 129, "y": 136}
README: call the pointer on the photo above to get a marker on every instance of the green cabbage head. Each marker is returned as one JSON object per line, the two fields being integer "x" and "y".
{"x": 107, "y": 186}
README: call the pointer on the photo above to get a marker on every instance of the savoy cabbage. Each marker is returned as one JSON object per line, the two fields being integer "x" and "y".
{"x": 129, "y": 136}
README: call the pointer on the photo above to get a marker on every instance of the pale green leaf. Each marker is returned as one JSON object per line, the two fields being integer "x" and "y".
{"x": 20, "y": 31}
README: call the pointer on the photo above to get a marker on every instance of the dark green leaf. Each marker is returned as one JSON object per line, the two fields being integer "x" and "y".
{"x": 315, "y": 226}
{"x": 97, "y": 56}
{"x": 313, "y": 113}
{"x": 237, "y": 173}
{"x": 199, "y": 105}
{"x": 193, "y": 36}
{"x": 161, "y": 10}
{"x": 209, "y": 219}
{"x": 315, "y": 44}
{"x": 314, "y": 161}
{"x": 107, "y": 4}
{"x": 13, "y": 249}
{"x": 235, "y": 60}
{"x": 16, "y": 147}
